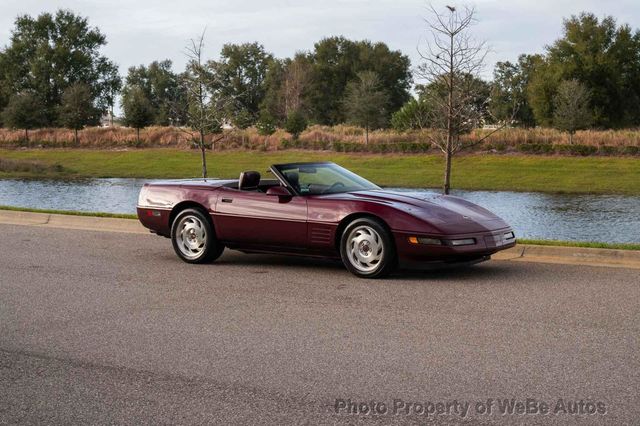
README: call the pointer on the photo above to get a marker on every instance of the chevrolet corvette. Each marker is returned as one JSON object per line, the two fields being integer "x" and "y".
{"x": 321, "y": 209}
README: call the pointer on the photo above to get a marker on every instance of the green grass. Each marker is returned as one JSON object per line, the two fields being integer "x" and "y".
{"x": 616, "y": 246}
{"x": 487, "y": 172}
{"x": 69, "y": 212}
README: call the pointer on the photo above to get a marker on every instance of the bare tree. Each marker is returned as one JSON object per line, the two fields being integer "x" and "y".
{"x": 572, "y": 111}
{"x": 297, "y": 75}
{"x": 452, "y": 62}
{"x": 207, "y": 104}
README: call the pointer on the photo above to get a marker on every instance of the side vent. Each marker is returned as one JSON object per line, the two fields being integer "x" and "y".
{"x": 320, "y": 235}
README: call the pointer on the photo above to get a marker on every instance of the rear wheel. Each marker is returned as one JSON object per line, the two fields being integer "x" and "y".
{"x": 193, "y": 238}
{"x": 367, "y": 249}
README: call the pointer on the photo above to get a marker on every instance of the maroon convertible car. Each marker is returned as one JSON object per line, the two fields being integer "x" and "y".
{"x": 320, "y": 209}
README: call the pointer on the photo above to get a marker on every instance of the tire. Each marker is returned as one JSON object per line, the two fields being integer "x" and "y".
{"x": 367, "y": 249}
{"x": 193, "y": 237}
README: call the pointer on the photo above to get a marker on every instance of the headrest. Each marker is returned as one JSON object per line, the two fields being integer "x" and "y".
{"x": 249, "y": 180}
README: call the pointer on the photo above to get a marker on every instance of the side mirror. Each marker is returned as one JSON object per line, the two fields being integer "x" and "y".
{"x": 279, "y": 191}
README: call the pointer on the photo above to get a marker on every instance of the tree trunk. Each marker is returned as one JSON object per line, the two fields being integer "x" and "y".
{"x": 75, "y": 136}
{"x": 366, "y": 135}
{"x": 447, "y": 173}
{"x": 26, "y": 136}
{"x": 449, "y": 148}
{"x": 204, "y": 157}
{"x": 138, "y": 135}
{"x": 570, "y": 138}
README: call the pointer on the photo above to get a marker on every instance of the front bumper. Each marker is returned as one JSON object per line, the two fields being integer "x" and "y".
{"x": 485, "y": 244}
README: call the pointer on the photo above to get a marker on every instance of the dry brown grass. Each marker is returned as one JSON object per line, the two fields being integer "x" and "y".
{"x": 97, "y": 137}
{"x": 509, "y": 137}
{"x": 516, "y": 136}
{"x": 117, "y": 137}
{"x": 120, "y": 137}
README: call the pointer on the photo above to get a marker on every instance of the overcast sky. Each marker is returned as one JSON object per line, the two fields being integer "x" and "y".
{"x": 140, "y": 31}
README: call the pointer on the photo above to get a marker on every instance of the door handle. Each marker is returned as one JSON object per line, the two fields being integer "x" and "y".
{"x": 227, "y": 200}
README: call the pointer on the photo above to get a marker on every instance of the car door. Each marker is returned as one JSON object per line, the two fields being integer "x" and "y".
{"x": 255, "y": 218}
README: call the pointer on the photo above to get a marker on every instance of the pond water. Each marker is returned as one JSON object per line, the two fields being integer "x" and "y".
{"x": 606, "y": 218}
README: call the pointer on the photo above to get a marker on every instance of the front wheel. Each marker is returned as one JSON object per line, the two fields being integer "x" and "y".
{"x": 367, "y": 249}
{"x": 193, "y": 238}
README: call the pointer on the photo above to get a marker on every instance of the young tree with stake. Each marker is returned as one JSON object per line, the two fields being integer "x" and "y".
{"x": 452, "y": 61}
{"x": 366, "y": 102}
{"x": 77, "y": 109}
{"x": 208, "y": 104}
{"x": 24, "y": 111}
{"x": 138, "y": 111}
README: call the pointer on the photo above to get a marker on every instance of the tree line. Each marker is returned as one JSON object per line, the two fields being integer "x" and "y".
{"x": 52, "y": 74}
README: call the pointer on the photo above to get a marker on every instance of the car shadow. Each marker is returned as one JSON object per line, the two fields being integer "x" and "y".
{"x": 486, "y": 270}
{"x": 252, "y": 259}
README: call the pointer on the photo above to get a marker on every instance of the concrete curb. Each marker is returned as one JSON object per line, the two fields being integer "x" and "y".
{"x": 572, "y": 256}
{"x": 520, "y": 253}
{"x": 87, "y": 223}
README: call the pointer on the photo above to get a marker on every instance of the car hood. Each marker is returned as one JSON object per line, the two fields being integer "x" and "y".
{"x": 445, "y": 212}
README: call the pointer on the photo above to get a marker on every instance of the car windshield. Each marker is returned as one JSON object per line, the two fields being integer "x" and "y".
{"x": 322, "y": 178}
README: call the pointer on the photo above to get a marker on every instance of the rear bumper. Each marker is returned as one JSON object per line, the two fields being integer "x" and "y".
{"x": 485, "y": 244}
{"x": 157, "y": 220}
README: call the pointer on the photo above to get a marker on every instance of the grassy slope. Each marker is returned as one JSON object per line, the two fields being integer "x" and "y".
{"x": 491, "y": 172}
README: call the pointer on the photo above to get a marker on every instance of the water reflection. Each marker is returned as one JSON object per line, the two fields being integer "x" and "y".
{"x": 608, "y": 218}
{"x": 88, "y": 195}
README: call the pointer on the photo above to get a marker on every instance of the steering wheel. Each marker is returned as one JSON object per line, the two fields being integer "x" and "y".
{"x": 334, "y": 186}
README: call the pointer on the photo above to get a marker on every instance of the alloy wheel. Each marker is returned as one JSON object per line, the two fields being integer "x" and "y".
{"x": 365, "y": 248}
{"x": 191, "y": 237}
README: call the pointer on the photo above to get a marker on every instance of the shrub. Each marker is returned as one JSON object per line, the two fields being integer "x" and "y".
{"x": 583, "y": 150}
{"x": 354, "y": 147}
{"x": 608, "y": 150}
{"x": 325, "y": 145}
{"x": 536, "y": 148}
{"x": 414, "y": 115}
{"x": 296, "y": 123}
{"x": 498, "y": 146}
{"x": 631, "y": 150}
{"x": 266, "y": 125}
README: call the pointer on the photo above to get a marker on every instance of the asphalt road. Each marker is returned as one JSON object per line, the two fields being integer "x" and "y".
{"x": 99, "y": 327}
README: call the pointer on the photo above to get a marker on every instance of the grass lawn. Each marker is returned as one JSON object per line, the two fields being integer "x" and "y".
{"x": 488, "y": 172}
